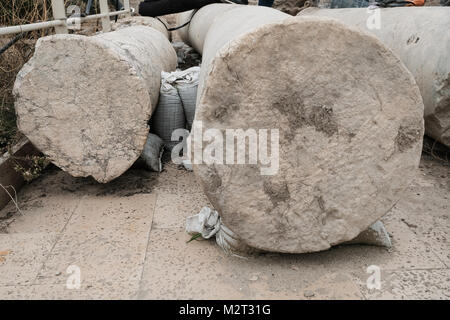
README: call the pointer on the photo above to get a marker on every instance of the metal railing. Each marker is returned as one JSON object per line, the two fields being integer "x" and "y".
{"x": 62, "y": 23}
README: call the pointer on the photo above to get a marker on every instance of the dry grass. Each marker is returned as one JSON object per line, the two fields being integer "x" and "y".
{"x": 436, "y": 150}
{"x": 16, "y": 12}
{"x": 10, "y": 63}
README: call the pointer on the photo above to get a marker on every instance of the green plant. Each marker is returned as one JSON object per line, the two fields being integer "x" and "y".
{"x": 30, "y": 167}
{"x": 195, "y": 237}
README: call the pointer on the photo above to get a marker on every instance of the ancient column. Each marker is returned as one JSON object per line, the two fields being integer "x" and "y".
{"x": 85, "y": 101}
{"x": 341, "y": 116}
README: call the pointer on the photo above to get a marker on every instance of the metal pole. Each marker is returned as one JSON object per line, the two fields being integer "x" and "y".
{"x": 106, "y": 22}
{"x": 54, "y": 23}
{"x": 32, "y": 27}
{"x": 59, "y": 13}
{"x": 126, "y": 6}
{"x": 102, "y": 15}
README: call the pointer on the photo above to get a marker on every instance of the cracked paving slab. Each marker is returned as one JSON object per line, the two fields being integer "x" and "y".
{"x": 128, "y": 239}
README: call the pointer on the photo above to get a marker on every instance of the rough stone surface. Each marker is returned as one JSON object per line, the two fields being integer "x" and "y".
{"x": 85, "y": 101}
{"x": 291, "y": 7}
{"x": 350, "y": 121}
{"x": 142, "y": 21}
{"x": 422, "y": 41}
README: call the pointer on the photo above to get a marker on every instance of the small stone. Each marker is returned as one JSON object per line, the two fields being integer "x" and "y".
{"x": 253, "y": 278}
{"x": 309, "y": 294}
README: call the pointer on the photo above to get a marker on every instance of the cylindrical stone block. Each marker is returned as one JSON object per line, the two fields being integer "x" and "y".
{"x": 348, "y": 113}
{"x": 154, "y": 23}
{"x": 85, "y": 101}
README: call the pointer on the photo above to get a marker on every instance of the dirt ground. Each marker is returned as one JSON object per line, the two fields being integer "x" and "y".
{"x": 127, "y": 239}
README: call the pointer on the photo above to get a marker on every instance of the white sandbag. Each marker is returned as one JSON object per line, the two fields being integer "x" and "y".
{"x": 176, "y": 107}
{"x": 207, "y": 223}
{"x": 187, "y": 165}
{"x": 153, "y": 150}
{"x": 169, "y": 114}
{"x": 187, "y": 85}
{"x": 188, "y": 95}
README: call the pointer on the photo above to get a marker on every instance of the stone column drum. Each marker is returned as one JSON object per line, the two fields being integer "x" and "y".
{"x": 85, "y": 101}
{"x": 348, "y": 112}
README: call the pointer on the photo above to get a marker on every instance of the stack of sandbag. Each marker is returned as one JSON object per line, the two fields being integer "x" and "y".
{"x": 187, "y": 85}
{"x": 176, "y": 106}
{"x": 175, "y": 110}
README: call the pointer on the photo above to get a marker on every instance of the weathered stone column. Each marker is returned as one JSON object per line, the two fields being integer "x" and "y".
{"x": 421, "y": 39}
{"x": 85, "y": 101}
{"x": 144, "y": 22}
{"x": 348, "y": 113}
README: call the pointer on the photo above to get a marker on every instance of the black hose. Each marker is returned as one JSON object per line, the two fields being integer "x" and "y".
{"x": 179, "y": 27}
{"x": 11, "y": 43}
{"x": 394, "y": 3}
{"x": 175, "y": 28}
{"x": 117, "y": 9}
{"x": 155, "y": 8}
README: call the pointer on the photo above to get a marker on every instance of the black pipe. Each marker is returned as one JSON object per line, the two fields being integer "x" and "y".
{"x": 11, "y": 43}
{"x": 117, "y": 9}
{"x": 155, "y": 8}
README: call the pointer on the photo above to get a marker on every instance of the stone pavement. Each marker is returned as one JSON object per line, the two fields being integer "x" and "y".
{"x": 127, "y": 240}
